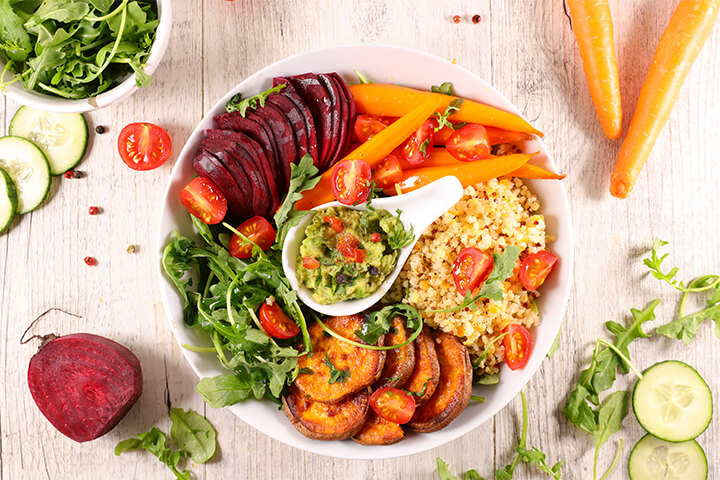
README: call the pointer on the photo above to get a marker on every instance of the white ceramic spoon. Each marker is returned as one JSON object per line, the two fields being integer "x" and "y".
{"x": 419, "y": 209}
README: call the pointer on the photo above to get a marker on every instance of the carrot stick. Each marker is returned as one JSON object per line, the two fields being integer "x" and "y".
{"x": 677, "y": 49}
{"x": 592, "y": 24}
{"x": 394, "y": 101}
{"x": 533, "y": 171}
{"x": 373, "y": 151}
{"x": 470, "y": 173}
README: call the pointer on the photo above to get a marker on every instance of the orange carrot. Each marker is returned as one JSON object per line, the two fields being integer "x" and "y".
{"x": 533, "y": 171}
{"x": 677, "y": 49}
{"x": 394, "y": 101}
{"x": 373, "y": 151}
{"x": 495, "y": 135}
{"x": 593, "y": 28}
{"x": 469, "y": 173}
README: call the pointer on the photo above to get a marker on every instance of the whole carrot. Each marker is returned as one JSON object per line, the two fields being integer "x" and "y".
{"x": 679, "y": 45}
{"x": 593, "y": 28}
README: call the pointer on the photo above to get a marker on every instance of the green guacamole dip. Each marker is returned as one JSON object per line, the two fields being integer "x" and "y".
{"x": 353, "y": 262}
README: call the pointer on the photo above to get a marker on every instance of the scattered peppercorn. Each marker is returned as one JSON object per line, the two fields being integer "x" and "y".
{"x": 341, "y": 279}
{"x": 476, "y": 18}
{"x": 93, "y": 210}
{"x": 90, "y": 261}
{"x": 130, "y": 249}
{"x": 100, "y": 129}
{"x": 73, "y": 174}
{"x": 375, "y": 237}
{"x": 374, "y": 271}
{"x": 456, "y": 19}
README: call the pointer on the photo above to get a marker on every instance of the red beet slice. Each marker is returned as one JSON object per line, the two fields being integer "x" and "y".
{"x": 206, "y": 165}
{"x": 84, "y": 384}
{"x": 336, "y": 119}
{"x": 284, "y": 139}
{"x": 292, "y": 94}
{"x": 297, "y": 123}
{"x": 318, "y": 99}
{"x": 350, "y": 111}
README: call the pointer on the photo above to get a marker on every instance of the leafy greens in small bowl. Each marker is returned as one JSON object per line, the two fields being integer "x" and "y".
{"x": 79, "y": 55}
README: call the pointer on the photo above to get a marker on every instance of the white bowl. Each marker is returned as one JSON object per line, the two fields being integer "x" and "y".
{"x": 51, "y": 103}
{"x": 415, "y": 69}
{"x": 419, "y": 209}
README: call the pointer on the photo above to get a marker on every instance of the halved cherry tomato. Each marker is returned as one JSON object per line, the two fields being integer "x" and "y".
{"x": 517, "y": 345}
{"x": 469, "y": 143}
{"x": 535, "y": 269}
{"x": 375, "y": 237}
{"x": 367, "y": 126}
{"x": 204, "y": 200}
{"x": 275, "y": 322}
{"x": 144, "y": 146}
{"x": 357, "y": 256}
{"x": 393, "y": 404}
{"x": 335, "y": 223}
{"x": 388, "y": 172}
{"x": 310, "y": 263}
{"x": 351, "y": 181}
{"x": 417, "y": 148}
{"x": 471, "y": 268}
{"x": 346, "y": 244}
{"x": 258, "y": 230}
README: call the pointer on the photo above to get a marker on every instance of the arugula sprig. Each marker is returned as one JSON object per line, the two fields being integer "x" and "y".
{"x": 531, "y": 455}
{"x": 446, "y": 88}
{"x": 303, "y": 176}
{"x": 492, "y": 289}
{"x": 686, "y": 326}
{"x": 361, "y": 77}
{"x": 239, "y": 104}
{"x": 399, "y": 236}
{"x": 442, "y": 120}
{"x": 336, "y": 375}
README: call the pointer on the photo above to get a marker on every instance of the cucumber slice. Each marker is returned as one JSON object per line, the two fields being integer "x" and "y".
{"x": 62, "y": 136}
{"x": 655, "y": 459}
{"x": 29, "y": 170}
{"x": 8, "y": 201}
{"x": 672, "y": 401}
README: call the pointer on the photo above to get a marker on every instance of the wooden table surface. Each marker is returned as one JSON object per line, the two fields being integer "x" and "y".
{"x": 527, "y": 51}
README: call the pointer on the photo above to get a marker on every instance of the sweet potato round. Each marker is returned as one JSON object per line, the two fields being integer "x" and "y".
{"x": 426, "y": 373}
{"x": 323, "y": 421}
{"x": 378, "y": 431}
{"x": 365, "y": 365}
{"x": 399, "y": 362}
{"x": 453, "y": 392}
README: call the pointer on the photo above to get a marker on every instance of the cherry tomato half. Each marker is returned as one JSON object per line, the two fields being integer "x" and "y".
{"x": 351, "y": 181}
{"x": 517, "y": 345}
{"x": 535, "y": 269}
{"x": 258, "y": 230}
{"x": 417, "y": 148}
{"x": 204, "y": 200}
{"x": 311, "y": 263}
{"x": 388, "y": 172}
{"x": 471, "y": 268}
{"x": 393, "y": 404}
{"x": 367, "y": 126}
{"x": 469, "y": 143}
{"x": 335, "y": 223}
{"x": 144, "y": 146}
{"x": 275, "y": 322}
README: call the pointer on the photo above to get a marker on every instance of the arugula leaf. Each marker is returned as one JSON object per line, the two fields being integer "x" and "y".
{"x": 446, "y": 88}
{"x": 424, "y": 146}
{"x": 14, "y": 39}
{"x": 379, "y": 322}
{"x": 398, "y": 235}
{"x": 536, "y": 457}
{"x": 193, "y": 434}
{"x": 155, "y": 442}
{"x": 611, "y": 414}
{"x": 472, "y": 475}
{"x": 492, "y": 288}
{"x": 303, "y": 176}
{"x": 485, "y": 352}
{"x": 336, "y": 376}
{"x": 686, "y": 327}
{"x": 488, "y": 379}
{"x": 654, "y": 263}
{"x": 225, "y": 390}
{"x": 442, "y": 120}
{"x": 239, "y": 104}
{"x": 362, "y": 78}
{"x": 443, "y": 470}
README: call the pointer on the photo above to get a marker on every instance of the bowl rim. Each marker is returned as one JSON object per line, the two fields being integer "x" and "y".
{"x": 286, "y": 433}
{"x": 50, "y": 103}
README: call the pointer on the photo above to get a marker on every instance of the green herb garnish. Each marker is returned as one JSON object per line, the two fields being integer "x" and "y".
{"x": 362, "y": 78}
{"x": 446, "y": 88}
{"x": 239, "y": 104}
{"x": 303, "y": 176}
{"x": 336, "y": 376}
{"x": 400, "y": 237}
{"x": 442, "y": 120}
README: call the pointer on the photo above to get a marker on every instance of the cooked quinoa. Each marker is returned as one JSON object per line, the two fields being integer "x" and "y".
{"x": 489, "y": 217}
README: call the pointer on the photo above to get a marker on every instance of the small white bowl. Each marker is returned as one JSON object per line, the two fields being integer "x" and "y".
{"x": 419, "y": 208}
{"x": 51, "y": 103}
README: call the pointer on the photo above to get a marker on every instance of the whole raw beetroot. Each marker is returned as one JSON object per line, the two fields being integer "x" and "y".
{"x": 84, "y": 384}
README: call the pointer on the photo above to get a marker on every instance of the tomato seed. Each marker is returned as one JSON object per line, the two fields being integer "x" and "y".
{"x": 90, "y": 261}
{"x": 93, "y": 210}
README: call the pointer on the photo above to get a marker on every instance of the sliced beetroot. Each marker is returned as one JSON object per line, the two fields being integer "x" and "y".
{"x": 297, "y": 123}
{"x": 206, "y": 165}
{"x": 318, "y": 100}
{"x": 292, "y": 94}
{"x": 336, "y": 119}
{"x": 279, "y": 129}
{"x": 84, "y": 384}
{"x": 350, "y": 111}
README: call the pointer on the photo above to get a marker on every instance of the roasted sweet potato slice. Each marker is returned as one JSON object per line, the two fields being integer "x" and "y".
{"x": 426, "y": 373}
{"x": 323, "y": 421}
{"x": 378, "y": 431}
{"x": 365, "y": 366}
{"x": 399, "y": 362}
{"x": 453, "y": 392}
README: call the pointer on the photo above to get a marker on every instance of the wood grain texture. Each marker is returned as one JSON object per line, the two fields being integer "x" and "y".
{"x": 528, "y": 52}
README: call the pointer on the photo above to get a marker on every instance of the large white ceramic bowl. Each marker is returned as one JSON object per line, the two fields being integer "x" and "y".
{"x": 51, "y": 103}
{"x": 414, "y": 69}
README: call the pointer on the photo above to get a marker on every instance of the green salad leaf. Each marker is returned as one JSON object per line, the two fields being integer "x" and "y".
{"x": 336, "y": 375}
{"x": 155, "y": 442}
{"x": 193, "y": 434}
{"x": 446, "y": 88}
{"x": 225, "y": 390}
{"x": 303, "y": 176}
{"x": 239, "y": 104}
{"x": 442, "y": 120}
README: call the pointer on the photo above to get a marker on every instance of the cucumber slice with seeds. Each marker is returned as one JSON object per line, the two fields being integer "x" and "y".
{"x": 8, "y": 201}
{"x": 29, "y": 170}
{"x": 63, "y": 137}
{"x": 673, "y": 402}
{"x": 655, "y": 459}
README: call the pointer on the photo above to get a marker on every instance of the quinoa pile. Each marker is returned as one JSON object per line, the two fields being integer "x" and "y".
{"x": 489, "y": 216}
